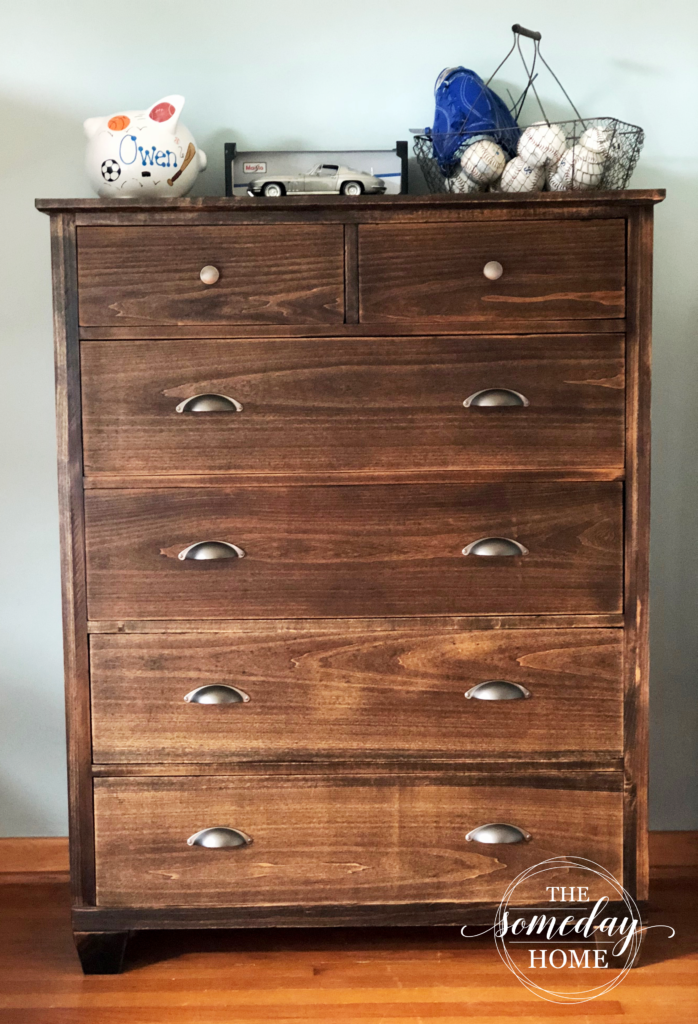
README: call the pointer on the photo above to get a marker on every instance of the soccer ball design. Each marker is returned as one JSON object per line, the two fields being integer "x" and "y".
{"x": 110, "y": 170}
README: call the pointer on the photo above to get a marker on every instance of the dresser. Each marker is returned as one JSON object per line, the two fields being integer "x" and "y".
{"x": 354, "y": 518}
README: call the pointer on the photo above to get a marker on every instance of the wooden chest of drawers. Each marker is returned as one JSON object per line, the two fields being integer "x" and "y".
{"x": 312, "y": 514}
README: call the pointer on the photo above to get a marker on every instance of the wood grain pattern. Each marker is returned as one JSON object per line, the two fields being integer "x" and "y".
{"x": 353, "y": 551}
{"x": 72, "y": 537}
{"x": 341, "y": 839}
{"x": 434, "y": 273}
{"x": 245, "y": 627}
{"x": 361, "y": 405}
{"x": 480, "y": 201}
{"x": 637, "y": 539}
{"x": 407, "y": 975}
{"x": 293, "y": 274}
{"x": 313, "y": 696}
{"x": 346, "y": 330}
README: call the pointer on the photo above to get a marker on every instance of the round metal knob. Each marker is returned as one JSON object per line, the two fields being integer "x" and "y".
{"x": 492, "y": 270}
{"x": 209, "y": 275}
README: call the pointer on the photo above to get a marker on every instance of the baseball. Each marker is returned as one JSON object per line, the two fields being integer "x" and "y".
{"x": 462, "y": 183}
{"x": 542, "y": 144}
{"x": 579, "y": 168}
{"x": 483, "y": 161}
{"x": 596, "y": 140}
{"x": 518, "y": 176}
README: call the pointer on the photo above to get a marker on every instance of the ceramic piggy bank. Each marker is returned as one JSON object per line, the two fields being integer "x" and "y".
{"x": 142, "y": 153}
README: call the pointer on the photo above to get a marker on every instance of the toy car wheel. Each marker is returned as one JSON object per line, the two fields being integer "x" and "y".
{"x": 273, "y": 189}
{"x": 352, "y": 188}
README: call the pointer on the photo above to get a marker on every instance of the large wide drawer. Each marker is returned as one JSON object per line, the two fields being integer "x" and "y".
{"x": 354, "y": 692}
{"x": 375, "y": 404}
{"x": 269, "y": 274}
{"x": 346, "y": 839}
{"x": 434, "y": 273}
{"x": 353, "y": 551}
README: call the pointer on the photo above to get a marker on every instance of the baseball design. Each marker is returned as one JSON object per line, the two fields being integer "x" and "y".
{"x": 596, "y": 140}
{"x": 542, "y": 144}
{"x": 462, "y": 183}
{"x": 579, "y": 168}
{"x": 483, "y": 161}
{"x": 518, "y": 176}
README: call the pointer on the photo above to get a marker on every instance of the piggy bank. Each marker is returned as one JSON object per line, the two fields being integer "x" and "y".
{"x": 142, "y": 153}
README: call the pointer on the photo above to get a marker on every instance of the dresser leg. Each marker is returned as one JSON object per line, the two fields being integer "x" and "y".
{"x": 101, "y": 952}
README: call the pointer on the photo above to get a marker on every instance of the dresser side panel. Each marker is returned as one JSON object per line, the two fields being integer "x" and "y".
{"x": 72, "y": 538}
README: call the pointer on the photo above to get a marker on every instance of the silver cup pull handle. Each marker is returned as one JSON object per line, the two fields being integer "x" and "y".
{"x": 217, "y": 693}
{"x": 219, "y": 837}
{"x": 499, "y": 832}
{"x": 498, "y": 689}
{"x": 210, "y": 550}
{"x": 495, "y": 547}
{"x": 496, "y": 397}
{"x": 209, "y": 402}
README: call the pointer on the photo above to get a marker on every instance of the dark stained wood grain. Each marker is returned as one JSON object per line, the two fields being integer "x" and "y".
{"x": 340, "y": 839}
{"x": 608, "y": 620}
{"x": 487, "y": 200}
{"x": 637, "y": 538}
{"x": 290, "y": 274}
{"x": 353, "y": 604}
{"x": 72, "y": 537}
{"x": 559, "y": 761}
{"x": 397, "y": 694}
{"x": 346, "y": 330}
{"x": 434, "y": 273}
{"x": 356, "y": 405}
{"x": 354, "y": 551}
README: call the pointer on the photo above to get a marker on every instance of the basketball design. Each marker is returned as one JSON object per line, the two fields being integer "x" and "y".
{"x": 118, "y": 123}
{"x": 110, "y": 170}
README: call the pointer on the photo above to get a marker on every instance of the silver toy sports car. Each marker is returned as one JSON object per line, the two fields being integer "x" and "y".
{"x": 320, "y": 179}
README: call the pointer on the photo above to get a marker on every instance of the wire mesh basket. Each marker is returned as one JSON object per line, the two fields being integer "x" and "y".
{"x": 598, "y": 153}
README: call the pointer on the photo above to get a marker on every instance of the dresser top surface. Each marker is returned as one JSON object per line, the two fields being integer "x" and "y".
{"x": 632, "y": 197}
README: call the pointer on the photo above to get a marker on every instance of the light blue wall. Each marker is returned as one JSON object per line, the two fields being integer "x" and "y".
{"x": 318, "y": 74}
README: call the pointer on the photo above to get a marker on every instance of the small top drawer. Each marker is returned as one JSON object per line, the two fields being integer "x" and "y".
{"x": 434, "y": 273}
{"x": 267, "y": 274}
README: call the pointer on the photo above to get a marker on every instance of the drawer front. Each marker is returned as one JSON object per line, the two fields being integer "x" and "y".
{"x": 362, "y": 405}
{"x": 285, "y": 274}
{"x": 304, "y": 694}
{"x": 557, "y": 270}
{"x": 317, "y": 840}
{"x": 354, "y": 551}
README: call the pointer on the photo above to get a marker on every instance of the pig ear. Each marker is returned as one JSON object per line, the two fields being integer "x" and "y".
{"x": 92, "y": 126}
{"x": 166, "y": 111}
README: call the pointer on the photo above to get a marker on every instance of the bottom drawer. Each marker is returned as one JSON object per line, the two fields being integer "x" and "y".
{"x": 319, "y": 840}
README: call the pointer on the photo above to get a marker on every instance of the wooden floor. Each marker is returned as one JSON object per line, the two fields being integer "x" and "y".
{"x": 390, "y": 976}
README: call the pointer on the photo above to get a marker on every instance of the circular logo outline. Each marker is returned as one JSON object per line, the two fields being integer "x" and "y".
{"x": 583, "y": 995}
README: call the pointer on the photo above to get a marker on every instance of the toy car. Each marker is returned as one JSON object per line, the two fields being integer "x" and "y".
{"x": 318, "y": 180}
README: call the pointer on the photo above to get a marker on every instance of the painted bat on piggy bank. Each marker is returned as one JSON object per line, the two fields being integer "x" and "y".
{"x": 142, "y": 153}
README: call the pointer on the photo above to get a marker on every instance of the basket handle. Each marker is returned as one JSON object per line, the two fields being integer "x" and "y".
{"x": 521, "y": 31}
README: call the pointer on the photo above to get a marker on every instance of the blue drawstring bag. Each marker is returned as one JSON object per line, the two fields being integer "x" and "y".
{"x": 466, "y": 107}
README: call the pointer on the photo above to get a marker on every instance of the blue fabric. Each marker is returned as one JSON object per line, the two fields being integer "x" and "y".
{"x": 465, "y": 107}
